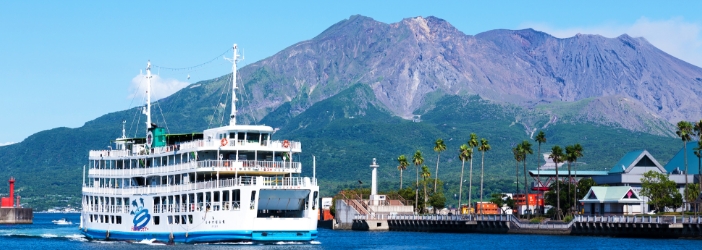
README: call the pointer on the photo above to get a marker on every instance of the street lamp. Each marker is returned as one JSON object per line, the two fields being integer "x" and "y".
{"x": 360, "y": 192}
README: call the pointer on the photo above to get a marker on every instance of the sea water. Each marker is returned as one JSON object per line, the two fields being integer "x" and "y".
{"x": 43, "y": 234}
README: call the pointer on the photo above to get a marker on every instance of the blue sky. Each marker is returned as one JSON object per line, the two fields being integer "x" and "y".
{"x": 63, "y": 63}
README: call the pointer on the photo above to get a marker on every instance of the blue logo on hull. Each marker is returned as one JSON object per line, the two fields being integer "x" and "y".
{"x": 141, "y": 215}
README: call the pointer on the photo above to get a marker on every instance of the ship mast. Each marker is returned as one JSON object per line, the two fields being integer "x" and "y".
{"x": 147, "y": 111}
{"x": 234, "y": 60}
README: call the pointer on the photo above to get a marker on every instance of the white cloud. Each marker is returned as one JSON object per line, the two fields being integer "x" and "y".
{"x": 6, "y": 143}
{"x": 160, "y": 87}
{"x": 674, "y": 36}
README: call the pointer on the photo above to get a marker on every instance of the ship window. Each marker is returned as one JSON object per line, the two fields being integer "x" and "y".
{"x": 225, "y": 199}
{"x": 112, "y": 219}
{"x": 253, "y": 200}
{"x": 190, "y": 219}
{"x": 199, "y": 201}
{"x": 170, "y": 219}
{"x": 183, "y": 219}
{"x": 157, "y": 220}
{"x": 315, "y": 200}
{"x": 119, "y": 219}
{"x": 241, "y": 136}
{"x": 176, "y": 219}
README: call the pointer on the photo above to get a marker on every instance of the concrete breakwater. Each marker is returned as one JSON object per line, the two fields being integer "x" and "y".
{"x": 614, "y": 226}
{"x": 16, "y": 215}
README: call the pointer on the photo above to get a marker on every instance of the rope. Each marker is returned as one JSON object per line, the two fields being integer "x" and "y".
{"x": 163, "y": 117}
{"x": 130, "y": 104}
{"x": 195, "y": 66}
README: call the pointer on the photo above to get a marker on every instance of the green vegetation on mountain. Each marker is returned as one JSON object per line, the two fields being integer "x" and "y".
{"x": 344, "y": 132}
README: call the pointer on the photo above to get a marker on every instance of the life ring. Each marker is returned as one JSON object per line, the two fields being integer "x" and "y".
{"x": 224, "y": 142}
{"x": 192, "y": 207}
{"x": 286, "y": 144}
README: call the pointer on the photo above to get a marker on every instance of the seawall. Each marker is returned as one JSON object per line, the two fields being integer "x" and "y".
{"x": 16, "y": 215}
{"x": 612, "y": 226}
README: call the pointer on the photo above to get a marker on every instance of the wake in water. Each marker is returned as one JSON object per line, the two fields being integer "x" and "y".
{"x": 43, "y": 233}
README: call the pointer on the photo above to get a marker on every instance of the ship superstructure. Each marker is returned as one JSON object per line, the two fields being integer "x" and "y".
{"x": 230, "y": 183}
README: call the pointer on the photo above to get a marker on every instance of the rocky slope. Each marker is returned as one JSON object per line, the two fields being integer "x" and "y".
{"x": 408, "y": 62}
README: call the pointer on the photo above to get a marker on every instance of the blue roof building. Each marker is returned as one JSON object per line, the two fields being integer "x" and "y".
{"x": 676, "y": 165}
{"x": 629, "y": 170}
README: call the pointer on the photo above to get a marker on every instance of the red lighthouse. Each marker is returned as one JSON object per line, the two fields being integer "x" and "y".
{"x": 9, "y": 201}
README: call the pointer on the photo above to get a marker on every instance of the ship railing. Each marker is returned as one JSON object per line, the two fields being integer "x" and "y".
{"x": 108, "y": 153}
{"x": 275, "y": 145}
{"x": 287, "y": 182}
{"x": 234, "y": 165}
{"x": 144, "y": 171}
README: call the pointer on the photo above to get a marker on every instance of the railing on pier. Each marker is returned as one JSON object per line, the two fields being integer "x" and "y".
{"x": 649, "y": 219}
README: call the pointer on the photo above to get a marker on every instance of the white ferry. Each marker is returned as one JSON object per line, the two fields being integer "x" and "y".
{"x": 231, "y": 183}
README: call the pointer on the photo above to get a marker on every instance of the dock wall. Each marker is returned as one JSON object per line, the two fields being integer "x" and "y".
{"x": 16, "y": 215}
{"x": 612, "y": 226}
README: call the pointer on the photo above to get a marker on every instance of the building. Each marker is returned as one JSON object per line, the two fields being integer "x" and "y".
{"x": 612, "y": 200}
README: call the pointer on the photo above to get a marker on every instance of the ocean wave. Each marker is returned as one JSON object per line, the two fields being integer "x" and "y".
{"x": 151, "y": 242}
{"x": 48, "y": 235}
{"x": 289, "y": 243}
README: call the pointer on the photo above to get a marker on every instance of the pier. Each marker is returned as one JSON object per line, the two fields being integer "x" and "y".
{"x": 614, "y": 226}
{"x": 11, "y": 212}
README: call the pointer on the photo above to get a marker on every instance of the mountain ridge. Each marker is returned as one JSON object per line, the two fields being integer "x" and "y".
{"x": 373, "y": 77}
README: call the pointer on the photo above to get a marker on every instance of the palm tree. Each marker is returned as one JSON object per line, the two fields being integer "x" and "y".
{"x": 484, "y": 146}
{"x": 698, "y": 131}
{"x": 525, "y": 148}
{"x": 557, "y": 156}
{"x": 540, "y": 138}
{"x": 698, "y": 153}
{"x": 425, "y": 174}
{"x": 402, "y": 161}
{"x": 578, "y": 152}
{"x": 439, "y": 147}
{"x": 517, "y": 158}
{"x": 472, "y": 143}
{"x": 417, "y": 159}
{"x": 684, "y": 132}
{"x": 573, "y": 152}
{"x": 464, "y": 153}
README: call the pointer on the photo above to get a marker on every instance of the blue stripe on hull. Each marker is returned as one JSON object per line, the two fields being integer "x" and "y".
{"x": 202, "y": 237}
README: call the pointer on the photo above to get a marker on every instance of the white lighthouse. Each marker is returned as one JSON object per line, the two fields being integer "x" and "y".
{"x": 375, "y": 199}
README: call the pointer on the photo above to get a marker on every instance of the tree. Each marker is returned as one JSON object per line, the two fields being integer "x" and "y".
{"x": 437, "y": 200}
{"x": 525, "y": 148}
{"x": 425, "y": 174}
{"x": 417, "y": 159}
{"x": 472, "y": 143}
{"x": 698, "y": 131}
{"x": 557, "y": 156}
{"x": 501, "y": 200}
{"x": 402, "y": 166}
{"x": 691, "y": 192}
{"x": 540, "y": 138}
{"x": 553, "y": 198}
{"x": 464, "y": 153}
{"x": 573, "y": 152}
{"x": 684, "y": 132}
{"x": 658, "y": 188}
{"x": 439, "y": 147}
{"x": 484, "y": 146}
{"x": 517, "y": 158}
